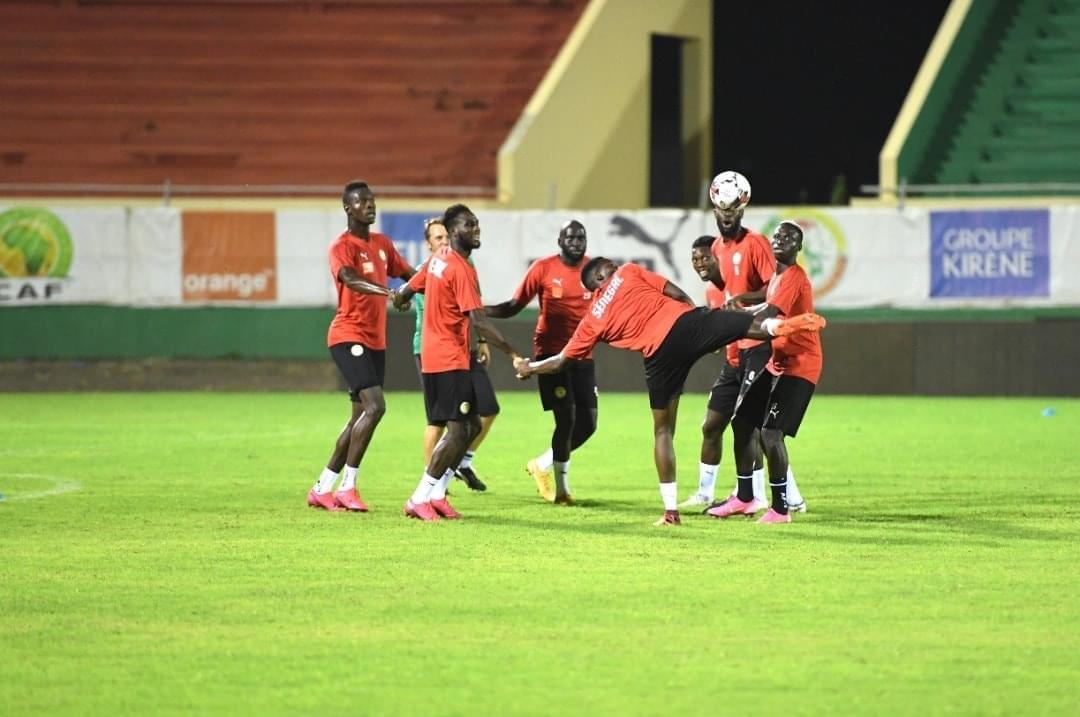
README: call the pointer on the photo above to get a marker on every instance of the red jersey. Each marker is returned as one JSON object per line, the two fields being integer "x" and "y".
{"x": 797, "y": 354}
{"x": 746, "y": 264}
{"x": 630, "y": 311}
{"x": 451, "y": 290}
{"x": 361, "y": 318}
{"x": 714, "y": 298}
{"x": 563, "y": 301}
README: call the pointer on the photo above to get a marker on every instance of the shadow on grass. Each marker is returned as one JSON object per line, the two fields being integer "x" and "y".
{"x": 846, "y": 528}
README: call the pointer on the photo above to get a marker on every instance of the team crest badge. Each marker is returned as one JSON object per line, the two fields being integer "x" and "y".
{"x": 560, "y": 392}
{"x": 357, "y": 350}
{"x": 464, "y": 407}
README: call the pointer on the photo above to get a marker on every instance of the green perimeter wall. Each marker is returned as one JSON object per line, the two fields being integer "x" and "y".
{"x": 976, "y": 352}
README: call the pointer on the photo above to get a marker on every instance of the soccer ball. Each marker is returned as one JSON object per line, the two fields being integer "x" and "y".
{"x": 729, "y": 190}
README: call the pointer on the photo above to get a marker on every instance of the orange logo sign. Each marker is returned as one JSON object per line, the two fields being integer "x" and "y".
{"x": 229, "y": 256}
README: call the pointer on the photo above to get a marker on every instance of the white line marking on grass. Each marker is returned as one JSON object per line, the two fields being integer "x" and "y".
{"x": 60, "y": 485}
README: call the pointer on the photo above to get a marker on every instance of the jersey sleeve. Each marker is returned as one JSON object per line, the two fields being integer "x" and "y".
{"x": 395, "y": 263}
{"x": 339, "y": 256}
{"x": 789, "y": 293}
{"x": 419, "y": 279}
{"x": 584, "y": 339}
{"x": 530, "y": 284}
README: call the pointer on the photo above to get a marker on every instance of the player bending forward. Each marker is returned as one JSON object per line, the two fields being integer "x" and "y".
{"x": 636, "y": 309}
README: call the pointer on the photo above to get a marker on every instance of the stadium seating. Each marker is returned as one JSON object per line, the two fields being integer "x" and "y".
{"x": 1020, "y": 118}
{"x": 269, "y": 92}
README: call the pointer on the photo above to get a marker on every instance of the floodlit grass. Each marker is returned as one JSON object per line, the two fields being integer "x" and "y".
{"x": 936, "y": 573}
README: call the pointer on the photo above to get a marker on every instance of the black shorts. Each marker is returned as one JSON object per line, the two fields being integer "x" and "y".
{"x": 693, "y": 335}
{"x": 486, "y": 403}
{"x": 574, "y": 386}
{"x": 777, "y": 402}
{"x": 448, "y": 396}
{"x": 362, "y": 367}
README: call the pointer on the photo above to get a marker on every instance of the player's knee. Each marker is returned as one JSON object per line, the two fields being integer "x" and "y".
{"x": 714, "y": 425}
{"x": 771, "y": 439}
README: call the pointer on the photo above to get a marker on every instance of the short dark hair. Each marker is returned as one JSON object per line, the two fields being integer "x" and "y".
{"x": 355, "y": 185}
{"x": 590, "y": 266}
{"x": 452, "y": 213}
{"x": 705, "y": 240}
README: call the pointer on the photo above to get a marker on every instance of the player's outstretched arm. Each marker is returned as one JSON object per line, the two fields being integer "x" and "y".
{"x": 505, "y": 310}
{"x": 359, "y": 284}
{"x": 552, "y": 364}
{"x": 487, "y": 331}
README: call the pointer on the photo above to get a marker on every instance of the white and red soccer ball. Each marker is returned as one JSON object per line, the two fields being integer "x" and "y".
{"x": 729, "y": 190}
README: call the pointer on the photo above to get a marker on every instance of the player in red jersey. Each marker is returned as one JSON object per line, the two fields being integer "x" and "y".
{"x": 777, "y": 399}
{"x": 744, "y": 264}
{"x": 570, "y": 394}
{"x": 636, "y": 309}
{"x": 360, "y": 262}
{"x": 451, "y": 304}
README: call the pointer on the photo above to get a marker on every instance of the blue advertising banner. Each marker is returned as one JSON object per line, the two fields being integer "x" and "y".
{"x": 991, "y": 253}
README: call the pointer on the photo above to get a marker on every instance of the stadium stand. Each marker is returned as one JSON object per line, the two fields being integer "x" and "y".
{"x": 1023, "y": 123}
{"x": 1008, "y": 99}
{"x": 413, "y": 93}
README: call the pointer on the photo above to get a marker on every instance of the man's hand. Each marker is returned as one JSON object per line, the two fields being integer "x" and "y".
{"x": 521, "y": 366}
{"x": 483, "y": 353}
{"x": 400, "y": 302}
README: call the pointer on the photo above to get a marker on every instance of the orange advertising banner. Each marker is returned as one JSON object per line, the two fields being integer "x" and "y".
{"x": 228, "y": 256}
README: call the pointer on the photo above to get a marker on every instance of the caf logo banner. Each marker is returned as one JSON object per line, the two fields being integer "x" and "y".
{"x": 35, "y": 252}
{"x": 824, "y": 255}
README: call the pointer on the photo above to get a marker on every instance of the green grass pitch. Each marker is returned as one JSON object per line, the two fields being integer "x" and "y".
{"x": 156, "y": 557}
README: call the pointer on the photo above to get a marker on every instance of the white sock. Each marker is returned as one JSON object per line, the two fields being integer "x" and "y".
{"x": 759, "y": 484}
{"x": 546, "y": 459}
{"x": 438, "y": 491}
{"x": 707, "y": 480}
{"x": 794, "y": 496}
{"x": 466, "y": 460}
{"x": 423, "y": 489}
{"x": 349, "y": 478}
{"x": 326, "y": 481}
{"x": 670, "y": 495}
{"x": 562, "y": 471}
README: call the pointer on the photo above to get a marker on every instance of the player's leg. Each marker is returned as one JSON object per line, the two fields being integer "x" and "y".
{"x": 787, "y": 405}
{"x": 717, "y": 418}
{"x": 459, "y": 434}
{"x": 554, "y": 392}
{"x": 487, "y": 406}
{"x": 449, "y": 399}
{"x": 432, "y": 434}
{"x": 748, "y": 416}
{"x": 664, "y": 420}
{"x": 321, "y": 494}
{"x": 372, "y": 365}
{"x": 360, "y": 371}
{"x": 585, "y": 394}
{"x": 578, "y": 416}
